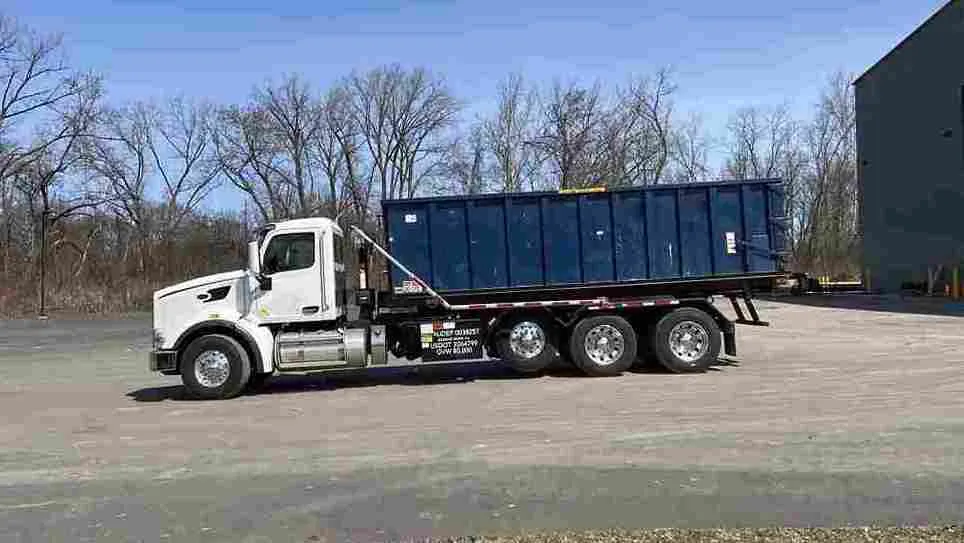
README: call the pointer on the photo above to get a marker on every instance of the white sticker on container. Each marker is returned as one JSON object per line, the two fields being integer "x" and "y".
{"x": 731, "y": 243}
{"x": 411, "y": 218}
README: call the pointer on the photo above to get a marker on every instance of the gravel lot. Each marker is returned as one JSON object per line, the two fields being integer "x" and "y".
{"x": 847, "y": 411}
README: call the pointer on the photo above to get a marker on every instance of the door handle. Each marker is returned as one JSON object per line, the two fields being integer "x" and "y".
{"x": 309, "y": 310}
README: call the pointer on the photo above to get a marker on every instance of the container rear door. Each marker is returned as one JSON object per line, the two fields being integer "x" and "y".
{"x": 450, "y": 258}
{"x": 757, "y": 225}
{"x": 664, "y": 249}
{"x": 727, "y": 229}
{"x": 695, "y": 233}
{"x": 560, "y": 222}
{"x": 488, "y": 250}
{"x": 629, "y": 225}
{"x": 409, "y": 242}
{"x": 597, "y": 238}
{"x": 525, "y": 241}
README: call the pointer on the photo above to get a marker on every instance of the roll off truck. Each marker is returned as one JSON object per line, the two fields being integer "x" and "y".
{"x": 599, "y": 278}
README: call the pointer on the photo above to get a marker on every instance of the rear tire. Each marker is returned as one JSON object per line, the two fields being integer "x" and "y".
{"x": 686, "y": 340}
{"x": 526, "y": 344}
{"x": 603, "y": 346}
{"x": 215, "y": 367}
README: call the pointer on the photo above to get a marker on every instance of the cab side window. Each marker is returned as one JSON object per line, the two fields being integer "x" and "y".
{"x": 287, "y": 252}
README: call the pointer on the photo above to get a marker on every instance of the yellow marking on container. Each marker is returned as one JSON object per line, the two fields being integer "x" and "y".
{"x": 581, "y": 191}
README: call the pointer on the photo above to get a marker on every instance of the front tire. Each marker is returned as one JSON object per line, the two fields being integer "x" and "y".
{"x": 215, "y": 367}
{"x": 686, "y": 340}
{"x": 257, "y": 382}
{"x": 603, "y": 346}
{"x": 526, "y": 344}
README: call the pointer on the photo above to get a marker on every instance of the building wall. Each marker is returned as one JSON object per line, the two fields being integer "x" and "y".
{"x": 910, "y": 147}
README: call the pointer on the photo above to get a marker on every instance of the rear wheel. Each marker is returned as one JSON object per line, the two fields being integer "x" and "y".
{"x": 686, "y": 340}
{"x": 525, "y": 344}
{"x": 603, "y": 346}
{"x": 215, "y": 367}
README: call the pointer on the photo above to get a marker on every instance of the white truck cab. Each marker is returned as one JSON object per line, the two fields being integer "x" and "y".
{"x": 286, "y": 311}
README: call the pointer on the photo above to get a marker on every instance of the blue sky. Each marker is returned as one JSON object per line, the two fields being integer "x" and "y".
{"x": 724, "y": 54}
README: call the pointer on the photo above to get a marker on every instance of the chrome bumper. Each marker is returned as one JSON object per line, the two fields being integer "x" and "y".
{"x": 163, "y": 361}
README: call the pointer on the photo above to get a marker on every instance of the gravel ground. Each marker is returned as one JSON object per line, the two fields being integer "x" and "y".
{"x": 845, "y": 412}
{"x": 775, "y": 535}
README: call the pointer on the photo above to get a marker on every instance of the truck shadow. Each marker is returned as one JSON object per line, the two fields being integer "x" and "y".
{"x": 421, "y": 376}
{"x": 888, "y": 303}
{"x": 418, "y": 376}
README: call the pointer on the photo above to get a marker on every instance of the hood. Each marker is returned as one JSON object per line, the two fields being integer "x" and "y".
{"x": 200, "y": 282}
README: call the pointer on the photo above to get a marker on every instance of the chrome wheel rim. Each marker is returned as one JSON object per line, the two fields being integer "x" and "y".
{"x": 605, "y": 344}
{"x": 527, "y": 340}
{"x": 689, "y": 341}
{"x": 212, "y": 368}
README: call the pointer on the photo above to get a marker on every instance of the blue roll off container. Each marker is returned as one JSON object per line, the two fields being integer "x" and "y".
{"x": 661, "y": 233}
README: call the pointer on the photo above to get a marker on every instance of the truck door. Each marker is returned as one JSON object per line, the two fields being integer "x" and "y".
{"x": 293, "y": 262}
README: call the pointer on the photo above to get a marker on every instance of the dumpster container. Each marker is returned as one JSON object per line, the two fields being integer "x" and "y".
{"x": 661, "y": 233}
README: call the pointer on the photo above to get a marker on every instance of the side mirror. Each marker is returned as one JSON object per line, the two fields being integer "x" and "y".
{"x": 254, "y": 264}
{"x": 264, "y": 282}
{"x": 254, "y": 258}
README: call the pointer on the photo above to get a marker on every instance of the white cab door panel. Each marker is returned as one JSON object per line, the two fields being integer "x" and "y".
{"x": 293, "y": 261}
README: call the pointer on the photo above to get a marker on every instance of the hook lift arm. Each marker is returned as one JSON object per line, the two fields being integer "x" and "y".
{"x": 361, "y": 234}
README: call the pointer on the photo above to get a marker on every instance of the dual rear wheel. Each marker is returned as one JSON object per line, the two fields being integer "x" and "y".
{"x": 685, "y": 340}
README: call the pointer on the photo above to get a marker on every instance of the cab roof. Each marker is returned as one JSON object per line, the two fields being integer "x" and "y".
{"x": 321, "y": 223}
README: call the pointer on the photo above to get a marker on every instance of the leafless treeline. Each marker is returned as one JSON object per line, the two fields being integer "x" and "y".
{"x": 126, "y": 189}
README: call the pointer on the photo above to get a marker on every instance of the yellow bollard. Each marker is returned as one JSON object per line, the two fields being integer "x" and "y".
{"x": 956, "y": 283}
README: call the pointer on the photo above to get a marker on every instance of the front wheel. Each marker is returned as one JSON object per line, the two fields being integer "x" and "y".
{"x": 603, "y": 346}
{"x": 215, "y": 367}
{"x": 686, "y": 340}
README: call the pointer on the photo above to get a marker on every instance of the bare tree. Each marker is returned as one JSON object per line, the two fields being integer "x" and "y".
{"x": 401, "y": 115}
{"x": 120, "y": 156}
{"x": 57, "y": 152}
{"x": 179, "y": 140}
{"x": 828, "y": 216}
{"x": 689, "y": 148}
{"x": 758, "y": 139}
{"x": 467, "y": 169}
{"x": 295, "y": 121}
{"x": 766, "y": 143}
{"x": 248, "y": 157}
{"x": 567, "y": 136}
{"x": 343, "y": 152}
{"x": 45, "y": 110}
{"x": 509, "y": 135}
{"x": 638, "y": 134}
{"x": 35, "y": 85}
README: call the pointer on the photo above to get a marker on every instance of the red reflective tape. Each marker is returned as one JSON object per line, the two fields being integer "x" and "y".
{"x": 665, "y": 302}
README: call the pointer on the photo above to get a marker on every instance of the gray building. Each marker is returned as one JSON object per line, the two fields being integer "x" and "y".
{"x": 910, "y": 153}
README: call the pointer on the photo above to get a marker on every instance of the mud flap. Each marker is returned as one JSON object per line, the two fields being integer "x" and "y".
{"x": 729, "y": 339}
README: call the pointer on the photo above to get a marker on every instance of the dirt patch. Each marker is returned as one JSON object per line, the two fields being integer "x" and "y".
{"x": 826, "y": 397}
